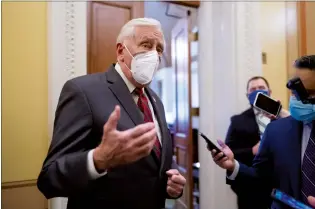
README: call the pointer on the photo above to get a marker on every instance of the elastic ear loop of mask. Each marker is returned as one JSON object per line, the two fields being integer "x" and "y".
{"x": 130, "y": 55}
{"x": 128, "y": 50}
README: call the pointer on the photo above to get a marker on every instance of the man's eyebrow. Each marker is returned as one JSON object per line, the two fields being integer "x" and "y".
{"x": 144, "y": 39}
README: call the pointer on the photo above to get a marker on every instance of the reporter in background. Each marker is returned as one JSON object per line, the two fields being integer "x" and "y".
{"x": 287, "y": 152}
{"x": 243, "y": 138}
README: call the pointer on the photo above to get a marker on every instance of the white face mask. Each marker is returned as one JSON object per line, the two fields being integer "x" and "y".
{"x": 144, "y": 66}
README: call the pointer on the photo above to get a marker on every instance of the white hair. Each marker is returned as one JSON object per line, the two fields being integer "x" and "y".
{"x": 128, "y": 29}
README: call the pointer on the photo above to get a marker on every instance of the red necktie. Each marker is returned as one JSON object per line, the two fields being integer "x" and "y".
{"x": 143, "y": 105}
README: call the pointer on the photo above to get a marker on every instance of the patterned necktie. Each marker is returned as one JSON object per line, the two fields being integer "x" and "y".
{"x": 308, "y": 168}
{"x": 143, "y": 105}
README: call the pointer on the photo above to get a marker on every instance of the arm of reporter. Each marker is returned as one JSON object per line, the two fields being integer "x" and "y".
{"x": 262, "y": 164}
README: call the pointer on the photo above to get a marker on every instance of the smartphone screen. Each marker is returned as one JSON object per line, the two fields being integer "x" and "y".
{"x": 266, "y": 104}
{"x": 288, "y": 200}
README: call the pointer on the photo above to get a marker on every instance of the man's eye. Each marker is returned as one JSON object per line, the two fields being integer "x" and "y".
{"x": 159, "y": 50}
{"x": 146, "y": 45}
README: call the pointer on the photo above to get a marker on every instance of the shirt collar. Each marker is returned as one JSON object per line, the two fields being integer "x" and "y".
{"x": 130, "y": 86}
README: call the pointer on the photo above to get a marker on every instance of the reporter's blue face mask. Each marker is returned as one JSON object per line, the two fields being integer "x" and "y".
{"x": 300, "y": 111}
{"x": 252, "y": 96}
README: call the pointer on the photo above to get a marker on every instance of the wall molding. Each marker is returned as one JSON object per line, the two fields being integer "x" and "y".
{"x": 23, "y": 195}
{"x": 67, "y": 56}
{"x": 18, "y": 184}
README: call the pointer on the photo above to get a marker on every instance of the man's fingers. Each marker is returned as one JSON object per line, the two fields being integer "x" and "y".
{"x": 145, "y": 143}
{"x": 139, "y": 130}
{"x": 311, "y": 200}
{"x": 146, "y": 138}
{"x": 175, "y": 186}
{"x": 218, "y": 156}
{"x": 213, "y": 153}
{"x": 221, "y": 143}
{"x": 172, "y": 172}
{"x": 112, "y": 121}
{"x": 178, "y": 179}
{"x": 171, "y": 191}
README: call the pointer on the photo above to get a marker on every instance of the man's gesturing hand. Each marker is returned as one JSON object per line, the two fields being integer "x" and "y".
{"x": 122, "y": 147}
{"x": 175, "y": 183}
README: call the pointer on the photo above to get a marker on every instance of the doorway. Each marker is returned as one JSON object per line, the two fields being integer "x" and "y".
{"x": 176, "y": 83}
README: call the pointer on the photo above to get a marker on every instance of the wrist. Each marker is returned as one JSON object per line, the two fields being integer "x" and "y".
{"x": 100, "y": 160}
{"x": 232, "y": 167}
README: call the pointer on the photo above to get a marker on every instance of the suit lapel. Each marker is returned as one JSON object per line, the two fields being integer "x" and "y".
{"x": 253, "y": 123}
{"x": 121, "y": 91}
{"x": 294, "y": 143}
{"x": 123, "y": 95}
{"x": 162, "y": 125}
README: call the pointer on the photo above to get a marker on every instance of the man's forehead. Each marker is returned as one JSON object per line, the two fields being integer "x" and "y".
{"x": 307, "y": 77}
{"x": 257, "y": 82}
{"x": 148, "y": 32}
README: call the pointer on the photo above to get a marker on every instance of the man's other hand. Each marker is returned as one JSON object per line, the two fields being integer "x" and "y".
{"x": 122, "y": 147}
{"x": 311, "y": 200}
{"x": 284, "y": 113}
{"x": 175, "y": 183}
{"x": 256, "y": 148}
{"x": 226, "y": 162}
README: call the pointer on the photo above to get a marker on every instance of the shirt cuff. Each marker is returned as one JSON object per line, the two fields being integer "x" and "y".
{"x": 91, "y": 167}
{"x": 235, "y": 171}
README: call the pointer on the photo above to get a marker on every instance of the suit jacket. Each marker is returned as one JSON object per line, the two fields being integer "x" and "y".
{"x": 279, "y": 159}
{"x": 242, "y": 135}
{"x": 84, "y": 106}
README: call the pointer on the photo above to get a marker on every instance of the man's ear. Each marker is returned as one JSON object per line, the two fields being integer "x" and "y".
{"x": 270, "y": 92}
{"x": 119, "y": 52}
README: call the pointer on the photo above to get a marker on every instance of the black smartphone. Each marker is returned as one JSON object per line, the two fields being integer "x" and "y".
{"x": 267, "y": 104}
{"x": 288, "y": 200}
{"x": 211, "y": 145}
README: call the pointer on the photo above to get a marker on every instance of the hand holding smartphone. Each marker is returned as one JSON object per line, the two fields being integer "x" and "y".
{"x": 268, "y": 105}
{"x": 211, "y": 145}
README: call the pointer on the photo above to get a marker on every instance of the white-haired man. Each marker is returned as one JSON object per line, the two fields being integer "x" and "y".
{"x": 126, "y": 163}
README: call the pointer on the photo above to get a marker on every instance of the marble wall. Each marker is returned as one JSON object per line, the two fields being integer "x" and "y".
{"x": 229, "y": 55}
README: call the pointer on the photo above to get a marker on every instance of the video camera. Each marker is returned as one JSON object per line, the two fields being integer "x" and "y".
{"x": 299, "y": 91}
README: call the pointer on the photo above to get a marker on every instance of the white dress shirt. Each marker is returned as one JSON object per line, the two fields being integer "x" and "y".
{"x": 262, "y": 121}
{"x": 90, "y": 162}
{"x": 307, "y": 128}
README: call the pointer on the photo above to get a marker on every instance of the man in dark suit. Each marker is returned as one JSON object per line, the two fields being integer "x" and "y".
{"x": 126, "y": 163}
{"x": 286, "y": 156}
{"x": 243, "y": 138}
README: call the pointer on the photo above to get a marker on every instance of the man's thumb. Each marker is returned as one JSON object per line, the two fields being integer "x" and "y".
{"x": 113, "y": 119}
{"x": 172, "y": 172}
{"x": 221, "y": 143}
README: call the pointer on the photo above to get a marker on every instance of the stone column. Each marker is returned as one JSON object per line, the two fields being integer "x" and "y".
{"x": 66, "y": 56}
{"x": 229, "y": 55}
